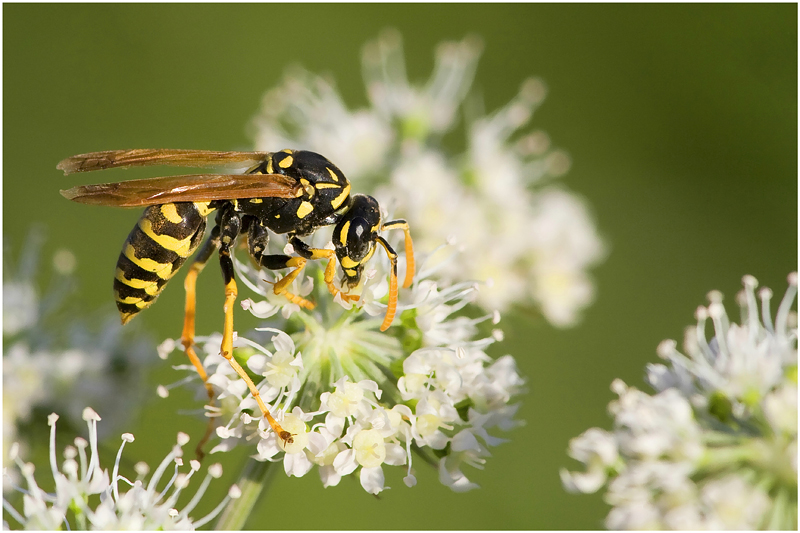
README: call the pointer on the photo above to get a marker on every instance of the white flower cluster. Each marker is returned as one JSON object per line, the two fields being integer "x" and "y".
{"x": 716, "y": 446}
{"x": 355, "y": 398}
{"x": 89, "y": 497}
{"x": 531, "y": 238}
{"x": 51, "y": 360}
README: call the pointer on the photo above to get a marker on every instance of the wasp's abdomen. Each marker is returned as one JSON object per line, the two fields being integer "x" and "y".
{"x": 165, "y": 236}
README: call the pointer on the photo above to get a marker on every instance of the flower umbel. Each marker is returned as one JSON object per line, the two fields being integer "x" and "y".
{"x": 357, "y": 399}
{"x": 90, "y": 497}
{"x": 716, "y": 446}
{"x": 51, "y": 360}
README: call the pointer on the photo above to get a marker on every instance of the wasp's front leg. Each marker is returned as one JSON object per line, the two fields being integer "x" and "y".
{"x": 303, "y": 250}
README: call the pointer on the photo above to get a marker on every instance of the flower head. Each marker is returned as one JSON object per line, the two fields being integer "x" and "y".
{"x": 356, "y": 399}
{"x": 716, "y": 446}
{"x": 51, "y": 359}
{"x": 89, "y": 497}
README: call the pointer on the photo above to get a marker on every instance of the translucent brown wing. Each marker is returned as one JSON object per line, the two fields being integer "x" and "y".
{"x": 188, "y": 188}
{"x": 176, "y": 158}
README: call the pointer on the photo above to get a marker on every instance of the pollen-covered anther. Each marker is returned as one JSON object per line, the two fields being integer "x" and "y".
{"x": 141, "y": 468}
{"x": 714, "y": 296}
{"x": 749, "y": 281}
{"x": 215, "y": 470}
{"x": 666, "y": 348}
{"x": 716, "y": 310}
{"x": 90, "y": 414}
{"x": 182, "y": 481}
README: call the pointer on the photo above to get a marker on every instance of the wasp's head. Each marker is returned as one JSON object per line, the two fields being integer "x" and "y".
{"x": 355, "y": 235}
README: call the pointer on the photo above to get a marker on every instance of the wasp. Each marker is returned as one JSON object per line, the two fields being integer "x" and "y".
{"x": 291, "y": 192}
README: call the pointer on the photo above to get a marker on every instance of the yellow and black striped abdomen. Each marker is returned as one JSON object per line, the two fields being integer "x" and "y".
{"x": 165, "y": 236}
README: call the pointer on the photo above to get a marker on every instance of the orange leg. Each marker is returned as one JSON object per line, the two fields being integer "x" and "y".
{"x": 187, "y": 335}
{"x": 230, "y": 228}
{"x": 391, "y": 308}
{"x": 409, "y": 246}
{"x": 330, "y": 273}
{"x": 282, "y": 285}
{"x": 226, "y": 350}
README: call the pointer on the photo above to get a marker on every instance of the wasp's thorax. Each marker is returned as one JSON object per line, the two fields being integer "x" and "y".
{"x": 354, "y": 236}
{"x": 324, "y": 193}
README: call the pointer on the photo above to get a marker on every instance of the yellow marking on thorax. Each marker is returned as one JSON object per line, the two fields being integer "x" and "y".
{"x": 162, "y": 270}
{"x": 256, "y": 200}
{"x": 336, "y": 202}
{"x": 307, "y": 187}
{"x": 170, "y": 212}
{"x": 343, "y": 233}
{"x": 369, "y": 255}
{"x": 348, "y": 263}
{"x": 304, "y": 209}
{"x": 203, "y": 209}
{"x": 350, "y": 272}
{"x": 333, "y": 174}
{"x": 323, "y": 185}
{"x": 136, "y": 283}
{"x": 286, "y": 162}
{"x": 181, "y": 247}
{"x": 269, "y": 166}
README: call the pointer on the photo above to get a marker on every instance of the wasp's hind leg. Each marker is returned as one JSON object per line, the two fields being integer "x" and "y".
{"x": 230, "y": 225}
{"x": 187, "y": 336}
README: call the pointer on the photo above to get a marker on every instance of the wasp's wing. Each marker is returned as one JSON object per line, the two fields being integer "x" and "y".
{"x": 189, "y": 188}
{"x": 177, "y": 158}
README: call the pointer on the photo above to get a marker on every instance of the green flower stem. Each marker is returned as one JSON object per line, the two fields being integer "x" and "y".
{"x": 255, "y": 477}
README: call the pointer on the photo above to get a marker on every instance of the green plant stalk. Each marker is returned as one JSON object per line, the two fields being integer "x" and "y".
{"x": 256, "y": 476}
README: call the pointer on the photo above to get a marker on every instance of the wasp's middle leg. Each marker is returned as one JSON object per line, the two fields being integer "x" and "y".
{"x": 230, "y": 225}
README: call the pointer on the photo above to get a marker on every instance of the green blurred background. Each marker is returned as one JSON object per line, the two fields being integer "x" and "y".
{"x": 681, "y": 121}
